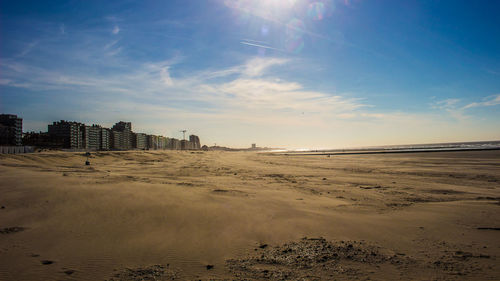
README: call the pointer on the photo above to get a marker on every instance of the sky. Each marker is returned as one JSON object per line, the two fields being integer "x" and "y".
{"x": 278, "y": 73}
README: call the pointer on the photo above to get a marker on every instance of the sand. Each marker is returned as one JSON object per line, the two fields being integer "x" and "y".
{"x": 173, "y": 215}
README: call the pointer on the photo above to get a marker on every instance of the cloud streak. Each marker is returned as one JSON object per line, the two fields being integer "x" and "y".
{"x": 488, "y": 101}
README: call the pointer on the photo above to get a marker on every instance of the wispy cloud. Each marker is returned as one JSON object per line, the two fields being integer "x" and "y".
{"x": 28, "y": 48}
{"x": 246, "y": 92}
{"x": 447, "y": 103}
{"x": 116, "y": 30}
{"x": 253, "y": 67}
{"x": 456, "y": 109}
{"x": 112, "y": 48}
{"x": 165, "y": 76}
{"x": 110, "y": 44}
{"x": 451, "y": 106}
{"x": 114, "y": 52}
{"x": 488, "y": 101}
{"x": 257, "y": 66}
{"x": 5, "y": 81}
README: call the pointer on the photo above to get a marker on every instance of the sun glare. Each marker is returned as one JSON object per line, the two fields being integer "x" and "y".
{"x": 294, "y": 17}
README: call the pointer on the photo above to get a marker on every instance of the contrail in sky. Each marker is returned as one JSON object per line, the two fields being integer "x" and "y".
{"x": 261, "y": 46}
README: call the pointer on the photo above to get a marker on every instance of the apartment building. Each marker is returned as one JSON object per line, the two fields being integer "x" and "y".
{"x": 121, "y": 135}
{"x": 105, "y": 139}
{"x": 71, "y": 132}
{"x": 195, "y": 140}
{"x": 141, "y": 141}
{"x": 92, "y": 137}
{"x": 11, "y": 129}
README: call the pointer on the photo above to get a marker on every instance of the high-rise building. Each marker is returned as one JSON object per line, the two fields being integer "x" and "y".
{"x": 105, "y": 139}
{"x": 174, "y": 144}
{"x": 43, "y": 140}
{"x": 195, "y": 140}
{"x": 92, "y": 137}
{"x": 152, "y": 141}
{"x": 162, "y": 142}
{"x": 122, "y": 135}
{"x": 11, "y": 129}
{"x": 185, "y": 145}
{"x": 141, "y": 141}
{"x": 70, "y": 131}
{"x": 120, "y": 140}
{"x": 122, "y": 126}
{"x": 75, "y": 135}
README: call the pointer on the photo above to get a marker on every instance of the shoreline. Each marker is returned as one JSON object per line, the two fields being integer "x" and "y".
{"x": 382, "y": 151}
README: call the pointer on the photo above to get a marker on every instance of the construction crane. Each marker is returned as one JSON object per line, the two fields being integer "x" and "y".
{"x": 183, "y": 134}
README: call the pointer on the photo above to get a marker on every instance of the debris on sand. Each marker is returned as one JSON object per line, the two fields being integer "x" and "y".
{"x": 312, "y": 257}
{"x": 46, "y": 262}
{"x": 488, "y": 228}
{"x": 210, "y": 266}
{"x": 370, "y": 187}
{"x": 14, "y": 229}
{"x": 150, "y": 273}
{"x": 319, "y": 259}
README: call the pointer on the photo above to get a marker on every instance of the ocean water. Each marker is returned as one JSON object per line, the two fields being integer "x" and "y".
{"x": 452, "y": 146}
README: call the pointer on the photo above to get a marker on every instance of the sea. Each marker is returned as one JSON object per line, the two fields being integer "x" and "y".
{"x": 450, "y": 146}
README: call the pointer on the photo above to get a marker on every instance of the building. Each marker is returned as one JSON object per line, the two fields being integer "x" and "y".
{"x": 120, "y": 140}
{"x": 254, "y": 146}
{"x": 43, "y": 140}
{"x": 11, "y": 130}
{"x": 195, "y": 140}
{"x": 162, "y": 142}
{"x": 91, "y": 137}
{"x": 185, "y": 145}
{"x": 122, "y": 126}
{"x": 75, "y": 135}
{"x": 152, "y": 142}
{"x": 174, "y": 144}
{"x": 141, "y": 141}
{"x": 105, "y": 139}
{"x": 70, "y": 131}
{"x": 122, "y": 136}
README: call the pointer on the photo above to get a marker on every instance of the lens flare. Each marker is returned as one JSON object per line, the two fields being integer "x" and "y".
{"x": 316, "y": 11}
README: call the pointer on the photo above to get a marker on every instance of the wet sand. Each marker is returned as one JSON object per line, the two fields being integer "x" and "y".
{"x": 247, "y": 216}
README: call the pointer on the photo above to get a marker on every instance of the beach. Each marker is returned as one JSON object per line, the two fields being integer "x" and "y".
{"x": 211, "y": 215}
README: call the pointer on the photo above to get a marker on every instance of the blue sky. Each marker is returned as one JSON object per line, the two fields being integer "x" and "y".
{"x": 280, "y": 73}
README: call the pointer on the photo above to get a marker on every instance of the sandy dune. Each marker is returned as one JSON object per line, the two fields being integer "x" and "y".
{"x": 240, "y": 215}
